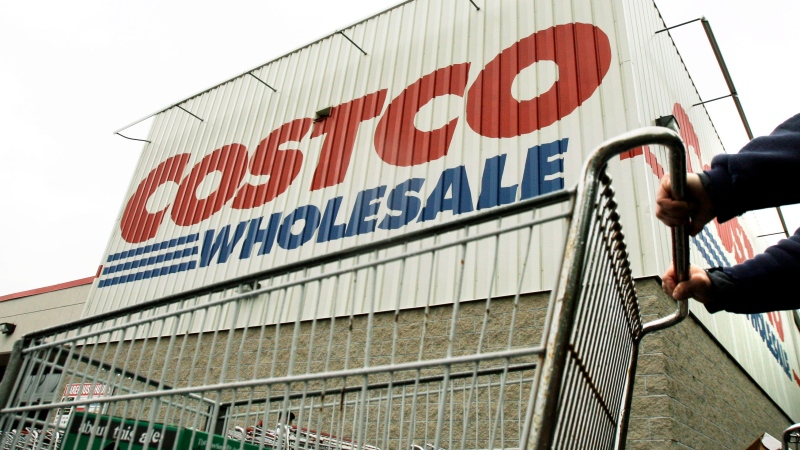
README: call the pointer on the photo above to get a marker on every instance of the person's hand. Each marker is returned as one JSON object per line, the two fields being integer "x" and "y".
{"x": 698, "y": 286}
{"x": 695, "y": 210}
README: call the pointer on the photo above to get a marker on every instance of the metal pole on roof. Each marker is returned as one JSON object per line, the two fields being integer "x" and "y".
{"x": 678, "y": 25}
{"x": 351, "y": 41}
{"x": 712, "y": 100}
{"x": 189, "y": 113}
{"x": 254, "y": 68}
{"x": 729, "y": 81}
{"x": 723, "y": 67}
{"x": 721, "y": 61}
{"x": 731, "y": 88}
{"x": 783, "y": 221}
{"x": 132, "y": 139}
{"x": 262, "y": 81}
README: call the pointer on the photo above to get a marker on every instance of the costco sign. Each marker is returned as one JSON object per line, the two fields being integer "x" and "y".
{"x": 582, "y": 54}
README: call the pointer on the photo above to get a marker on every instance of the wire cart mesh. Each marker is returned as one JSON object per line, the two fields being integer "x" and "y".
{"x": 315, "y": 354}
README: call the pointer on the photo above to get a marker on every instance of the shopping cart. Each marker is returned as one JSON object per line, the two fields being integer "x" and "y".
{"x": 791, "y": 437}
{"x": 427, "y": 340}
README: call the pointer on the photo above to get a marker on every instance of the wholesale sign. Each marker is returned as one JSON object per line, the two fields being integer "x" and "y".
{"x": 249, "y": 213}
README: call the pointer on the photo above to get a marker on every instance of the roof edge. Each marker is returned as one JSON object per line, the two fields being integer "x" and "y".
{"x": 46, "y": 289}
{"x": 320, "y": 39}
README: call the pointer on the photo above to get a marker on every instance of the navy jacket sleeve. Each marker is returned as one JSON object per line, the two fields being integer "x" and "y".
{"x": 765, "y": 173}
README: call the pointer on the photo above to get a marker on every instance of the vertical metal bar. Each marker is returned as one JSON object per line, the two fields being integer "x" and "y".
{"x": 625, "y": 410}
{"x": 726, "y": 73}
{"x": 452, "y": 340}
{"x": 498, "y": 416}
{"x": 596, "y": 284}
{"x": 569, "y": 284}
{"x": 372, "y": 280}
{"x": 240, "y": 353}
{"x": 680, "y": 242}
{"x": 791, "y": 435}
{"x": 545, "y": 411}
{"x": 783, "y": 221}
{"x": 484, "y": 325}
{"x": 189, "y": 324}
{"x": 10, "y": 377}
{"x": 207, "y": 315}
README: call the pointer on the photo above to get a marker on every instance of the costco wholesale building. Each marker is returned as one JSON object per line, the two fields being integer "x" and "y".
{"x": 259, "y": 264}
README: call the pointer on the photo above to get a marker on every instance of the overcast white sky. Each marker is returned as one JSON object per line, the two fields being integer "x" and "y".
{"x": 71, "y": 73}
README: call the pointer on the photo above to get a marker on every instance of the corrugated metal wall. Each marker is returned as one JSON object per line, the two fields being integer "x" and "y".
{"x": 431, "y": 112}
{"x": 431, "y": 102}
{"x": 765, "y": 345}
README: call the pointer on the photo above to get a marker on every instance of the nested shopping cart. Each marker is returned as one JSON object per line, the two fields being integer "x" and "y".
{"x": 434, "y": 339}
{"x": 791, "y": 437}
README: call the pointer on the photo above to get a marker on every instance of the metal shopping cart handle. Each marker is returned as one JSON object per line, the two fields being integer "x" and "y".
{"x": 791, "y": 435}
{"x": 593, "y": 169}
{"x": 593, "y": 202}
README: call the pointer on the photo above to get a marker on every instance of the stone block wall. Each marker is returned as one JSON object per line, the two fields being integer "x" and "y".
{"x": 689, "y": 393}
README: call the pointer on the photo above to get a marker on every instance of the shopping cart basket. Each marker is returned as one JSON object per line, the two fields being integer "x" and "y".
{"x": 434, "y": 339}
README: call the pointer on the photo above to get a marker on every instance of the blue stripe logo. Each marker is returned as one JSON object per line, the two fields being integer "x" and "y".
{"x": 710, "y": 249}
{"x": 163, "y": 258}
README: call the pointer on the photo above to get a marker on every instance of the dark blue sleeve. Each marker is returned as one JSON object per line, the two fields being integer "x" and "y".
{"x": 767, "y": 282}
{"x": 765, "y": 173}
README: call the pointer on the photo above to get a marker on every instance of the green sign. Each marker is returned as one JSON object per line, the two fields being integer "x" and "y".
{"x": 95, "y": 432}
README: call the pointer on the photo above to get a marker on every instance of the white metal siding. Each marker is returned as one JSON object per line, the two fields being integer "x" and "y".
{"x": 645, "y": 79}
{"x": 766, "y": 346}
{"x": 402, "y": 45}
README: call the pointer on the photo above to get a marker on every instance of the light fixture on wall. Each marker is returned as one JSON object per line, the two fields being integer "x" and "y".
{"x": 7, "y": 328}
{"x": 245, "y": 288}
{"x": 668, "y": 122}
{"x": 323, "y": 114}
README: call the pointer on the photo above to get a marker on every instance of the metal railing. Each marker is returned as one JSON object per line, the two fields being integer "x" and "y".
{"x": 424, "y": 340}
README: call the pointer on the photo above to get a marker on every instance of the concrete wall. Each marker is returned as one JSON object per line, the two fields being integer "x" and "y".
{"x": 690, "y": 393}
{"x": 393, "y": 415}
{"x": 41, "y": 308}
